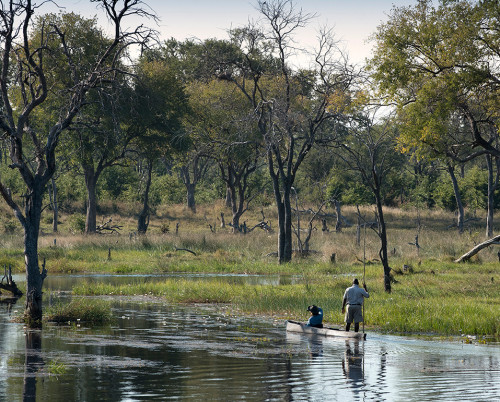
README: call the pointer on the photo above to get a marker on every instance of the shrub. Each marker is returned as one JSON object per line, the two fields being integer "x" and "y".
{"x": 10, "y": 226}
{"x": 77, "y": 223}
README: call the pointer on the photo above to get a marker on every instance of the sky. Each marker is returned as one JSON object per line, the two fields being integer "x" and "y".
{"x": 353, "y": 21}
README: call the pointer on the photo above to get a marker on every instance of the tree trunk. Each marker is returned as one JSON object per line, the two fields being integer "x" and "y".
{"x": 34, "y": 278}
{"x": 458, "y": 198}
{"x": 143, "y": 221}
{"x": 338, "y": 224}
{"x": 384, "y": 257}
{"x": 191, "y": 202}
{"x": 281, "y": 218}
{"x": 237, "y": 210}
{"x": 91, "y": 185}
{"x": 493, "y": 176}
{"x": 478, "y": 248}
{"x": 284, "y": 213}
{"x": 53, "y": 203}
{"x": 190, "y": 187}
{"x": 288, "y": 246}
{"x": 228, "y": 197}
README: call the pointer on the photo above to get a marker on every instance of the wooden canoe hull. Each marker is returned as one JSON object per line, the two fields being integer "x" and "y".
{"x": 294, "y": 326}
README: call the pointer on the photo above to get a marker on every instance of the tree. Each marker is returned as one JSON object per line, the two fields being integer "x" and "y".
{"x": 438, "y": 65}
{"x": 291, "y": 106}
{"x": 226, "y": 132}
{"x": 370, "y": 149}
{"x": 158, "y": 102}
{"x": 25, "y": 85}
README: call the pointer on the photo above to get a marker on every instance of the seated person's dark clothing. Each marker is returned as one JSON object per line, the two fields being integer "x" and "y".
{"x": 316, "y": 319}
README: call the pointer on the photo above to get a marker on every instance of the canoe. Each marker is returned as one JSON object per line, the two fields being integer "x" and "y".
{"x": 294, "y": 326}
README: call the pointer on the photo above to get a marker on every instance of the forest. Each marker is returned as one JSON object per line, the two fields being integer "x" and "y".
{"x": 232, "y": 132}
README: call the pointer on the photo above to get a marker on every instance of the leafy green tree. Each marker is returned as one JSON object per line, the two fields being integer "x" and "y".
{"x": 97, "y": 139}
{"x": 438, "y": 65}
{"x": 227, "y": 134}
{"x": 26, "y": 78}
{"x": 155, "y": 121}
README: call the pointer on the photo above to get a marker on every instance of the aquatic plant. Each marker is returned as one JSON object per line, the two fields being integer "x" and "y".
{"x": 80, "y": 310}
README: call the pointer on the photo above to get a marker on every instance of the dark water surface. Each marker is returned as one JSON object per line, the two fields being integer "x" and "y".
{"x": 156, "y": 351}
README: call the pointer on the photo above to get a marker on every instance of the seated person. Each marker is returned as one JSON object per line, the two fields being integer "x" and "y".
{"x": 316, "y": 319}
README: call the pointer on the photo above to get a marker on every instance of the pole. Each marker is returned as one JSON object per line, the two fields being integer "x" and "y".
{"x": 364, "y": 271}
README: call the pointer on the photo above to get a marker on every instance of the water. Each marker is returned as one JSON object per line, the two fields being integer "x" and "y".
{"x": 156, "y": 351}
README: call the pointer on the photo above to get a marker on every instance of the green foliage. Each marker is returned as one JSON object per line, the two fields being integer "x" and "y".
{"x": 56, "y": 367}
{"x": 443, "y": 193}
{"x": 344, "y": 186}
{"x": 11, "y": 226}
{"x": 70, "y": 189}
{"x": 475, "y": 188}
{"x": 434, "y": 62}
{"x": 77, "y": 223}
{"x": 119, "y": 183}
{"x": 167, "y": 189}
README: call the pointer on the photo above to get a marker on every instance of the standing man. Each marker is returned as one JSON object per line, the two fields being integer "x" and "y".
{"x": 354, "y": 297}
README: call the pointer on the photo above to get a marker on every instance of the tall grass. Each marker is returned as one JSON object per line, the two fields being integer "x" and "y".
{"x": 80, "y": 310}
{"x": 422, "y": 303}
{"x": 438, "y": 297}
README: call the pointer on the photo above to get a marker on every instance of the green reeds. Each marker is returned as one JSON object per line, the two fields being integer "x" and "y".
{"x": 80, "y": 310}
{"x": 421, "y": 303}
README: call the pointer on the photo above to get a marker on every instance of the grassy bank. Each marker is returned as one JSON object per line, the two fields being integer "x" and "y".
{"x": 434, "y": 296}
{"x": 432, "y": 300}
{"x": 196, "y": 248}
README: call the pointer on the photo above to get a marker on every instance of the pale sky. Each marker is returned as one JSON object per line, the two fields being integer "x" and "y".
{"x": 353, "y": 21}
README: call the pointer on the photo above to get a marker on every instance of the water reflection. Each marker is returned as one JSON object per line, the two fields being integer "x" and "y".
{"x": 353, "y": 364}
{"x": 9, "y": 302}
{"x": 157, "y": 351}
{"x": 316, "y": 346}
{"x": 33, "y": 363}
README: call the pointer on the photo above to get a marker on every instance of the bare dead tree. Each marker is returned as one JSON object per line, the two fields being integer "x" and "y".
{"x": 288, "y": 124}
{"x": 24, "y": 75}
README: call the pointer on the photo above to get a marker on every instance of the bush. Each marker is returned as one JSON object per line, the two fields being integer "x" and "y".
{"x": 77, "y": 223}
{"x": 167, "y": 189}
{"x": 10, "y": 226}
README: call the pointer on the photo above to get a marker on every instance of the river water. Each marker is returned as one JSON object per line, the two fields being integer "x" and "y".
{"x": 157, "y": 351}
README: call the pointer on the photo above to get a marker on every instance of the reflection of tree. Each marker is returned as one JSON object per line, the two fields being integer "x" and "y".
{"x": 352, "y": 365}
{"x": 381, "y": 377}
{"x": 32, "y": 364}
{"x": 9, "y": 301}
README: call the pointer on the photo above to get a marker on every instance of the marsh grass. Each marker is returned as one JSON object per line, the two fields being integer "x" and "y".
{"x": 57, "y": 367}
{"x": 439, "y": 296}
{"x": 224, "y": 251}
{"x": 81, "y": 310}
{"x": 445, "y": 303}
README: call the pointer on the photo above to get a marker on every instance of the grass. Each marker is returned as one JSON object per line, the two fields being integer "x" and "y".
{"x": 443, "y": 302}
{"x": 438, "y": 296}
{"x": 81, "y": 310}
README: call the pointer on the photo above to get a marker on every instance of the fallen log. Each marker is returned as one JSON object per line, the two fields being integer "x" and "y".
{"x": 467, "y": 256}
